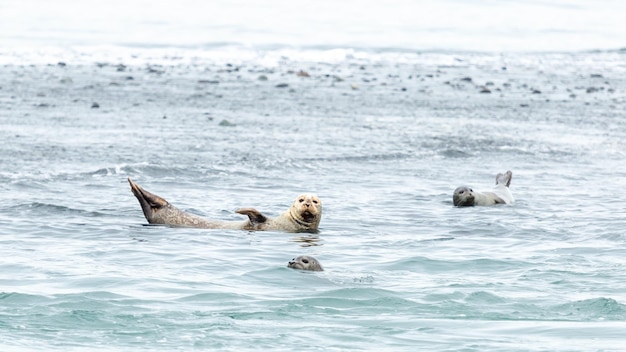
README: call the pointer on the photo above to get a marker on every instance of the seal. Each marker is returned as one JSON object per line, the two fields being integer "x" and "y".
{"x": 304, "y": 215}
{"x": 465, "y": 196}
{"x": 305, "y": 262}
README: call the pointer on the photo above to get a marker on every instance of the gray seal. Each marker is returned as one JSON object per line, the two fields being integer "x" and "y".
{"x": 500, "y": 194}
{"x": 305, "y": 262}
{"x": 304, "y": 215}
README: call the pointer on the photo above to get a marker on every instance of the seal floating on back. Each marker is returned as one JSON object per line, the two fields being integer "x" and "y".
{"x": 305, "y": 262}
{"x": 304, "y": 215}
{"x": 465, "y": 196}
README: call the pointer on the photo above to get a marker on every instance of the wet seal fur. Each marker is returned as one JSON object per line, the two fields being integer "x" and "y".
{"x": 465, "y": 196}
{"x": 304, "y": 215}
{"x": 305, "y": 262}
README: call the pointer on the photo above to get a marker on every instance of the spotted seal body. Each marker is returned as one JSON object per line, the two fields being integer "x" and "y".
{"x": 305, "y": 262}
{"x": 304, "y": 215}
{"x": 465, "y": 196}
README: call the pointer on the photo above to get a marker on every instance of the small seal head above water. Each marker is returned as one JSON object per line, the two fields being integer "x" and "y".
{"x": 465, "y": 196}
{"x": 305, "y": 262}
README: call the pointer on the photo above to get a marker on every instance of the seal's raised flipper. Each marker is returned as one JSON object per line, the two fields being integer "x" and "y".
{"x": 254, "y": 215}
{"x": 150, "y": 203}
{"x": 504, "y": 179}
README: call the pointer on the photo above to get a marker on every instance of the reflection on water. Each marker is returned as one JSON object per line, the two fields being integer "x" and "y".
{"x": 308, "y": 241}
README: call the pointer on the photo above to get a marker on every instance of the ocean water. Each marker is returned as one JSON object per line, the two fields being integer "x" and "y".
{"x": 383, "y": 127}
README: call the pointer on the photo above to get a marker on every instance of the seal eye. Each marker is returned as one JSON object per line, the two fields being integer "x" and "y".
{"x": 471, "y": 190}
{"x": 305, "y": 261}
{"x": 315, "y": 202}
{"x": 301, "y": 200}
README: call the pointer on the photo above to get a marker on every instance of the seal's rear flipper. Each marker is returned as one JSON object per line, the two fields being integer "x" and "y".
{"x": 254, "y": 215}
{"x": 504, "y": 179}
{"x": 150, "y": 203}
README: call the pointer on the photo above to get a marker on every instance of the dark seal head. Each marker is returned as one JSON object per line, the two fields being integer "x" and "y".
{"x": 463, "y": 197}
{"x": 305, "y": 262}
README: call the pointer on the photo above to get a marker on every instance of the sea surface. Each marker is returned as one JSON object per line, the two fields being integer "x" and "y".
{"x": 380, "y": 125}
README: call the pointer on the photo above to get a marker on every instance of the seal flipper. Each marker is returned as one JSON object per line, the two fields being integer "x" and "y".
{"x": 496, "y": 198}
{"x": 254, "y": 215}
{"x": 504, "y": 179}
{"x": 150, "y": 203}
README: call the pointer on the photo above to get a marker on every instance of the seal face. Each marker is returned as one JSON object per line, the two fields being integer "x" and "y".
{"x": 465, "y": 196}
{"x": 304, "y": 215}
{"x": 306, "y": 210}
{"x": 305, "y": 262}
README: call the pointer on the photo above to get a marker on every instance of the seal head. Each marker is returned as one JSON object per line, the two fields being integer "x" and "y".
{"x": 463, "y": 196}
{"x": 305, "y": 262}
{"x": 306, "y": 211}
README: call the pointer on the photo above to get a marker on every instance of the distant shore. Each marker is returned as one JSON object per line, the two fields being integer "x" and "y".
{"x": 336, "y": 82}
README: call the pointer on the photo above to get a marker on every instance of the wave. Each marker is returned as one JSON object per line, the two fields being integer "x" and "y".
{"x": 363, "y": 158}
{"x": 48, "y": 209}
{"x": 425, "y": 264}
{"x": 591, "y": 309}
{"x": 40, "y": 179}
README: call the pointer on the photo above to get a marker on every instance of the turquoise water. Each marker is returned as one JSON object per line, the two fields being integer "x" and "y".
{"x": 381, "y": 131}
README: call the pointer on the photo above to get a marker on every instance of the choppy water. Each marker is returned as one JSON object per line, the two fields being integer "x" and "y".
{"x": 382, "y": 137}
{"x": 404, "y": 268}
